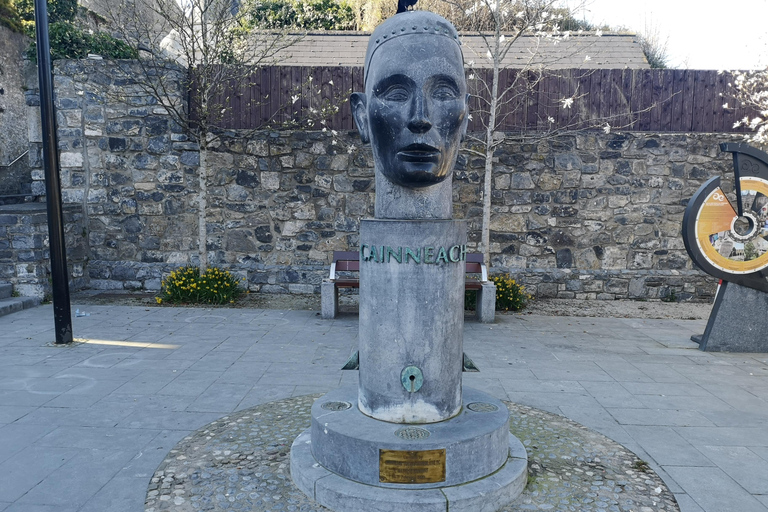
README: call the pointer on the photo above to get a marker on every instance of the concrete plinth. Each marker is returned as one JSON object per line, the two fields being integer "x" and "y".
{"x": 411, "y": 319}
{"x": 337, "y": 461}
{"x": 348, "y": 443}
{"x": 738, "y": 322}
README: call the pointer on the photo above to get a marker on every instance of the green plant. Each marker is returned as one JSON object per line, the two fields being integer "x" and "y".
{"x": 9, "y": 16}
{"x": 470, "y": 300}
{"x": 70, "y": 42}
{"x": 58, "y": 10}
{"x": 15, "y": 293}
{"x": 641, "y": 465}
{"x": 510, "y": 295}
{"x": 308, "y": 15}
{"x": 186, "y": 285}
{"x": 671, "y": 296}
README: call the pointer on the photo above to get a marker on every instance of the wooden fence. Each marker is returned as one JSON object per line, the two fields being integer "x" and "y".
{"x": 656, "y": 100}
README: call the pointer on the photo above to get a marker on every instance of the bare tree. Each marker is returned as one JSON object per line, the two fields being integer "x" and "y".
{"x": 500, "y": 24}
{"x": 197, "y": 50}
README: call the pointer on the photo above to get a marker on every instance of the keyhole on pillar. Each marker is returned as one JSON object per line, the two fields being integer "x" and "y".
{"x": 412, "y": 378}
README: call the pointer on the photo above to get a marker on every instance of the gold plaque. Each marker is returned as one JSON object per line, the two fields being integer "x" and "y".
{"x": 411, "y": 467}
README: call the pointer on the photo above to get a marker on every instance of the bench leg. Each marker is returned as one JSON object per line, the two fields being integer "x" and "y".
{"x": 329, "y": 300}
{"x": 486, "y": 303}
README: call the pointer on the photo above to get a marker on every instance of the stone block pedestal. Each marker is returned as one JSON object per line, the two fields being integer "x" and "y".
{"x": 738, "y": 322}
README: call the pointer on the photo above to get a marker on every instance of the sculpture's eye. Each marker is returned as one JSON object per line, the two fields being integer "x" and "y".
{"x": 445, "y": 89}
{"x": 444, "y": 93}
{"x": 395, "y": 93}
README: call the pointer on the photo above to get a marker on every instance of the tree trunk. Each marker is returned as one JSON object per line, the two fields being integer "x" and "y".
{"x": 485, "y": 241}
{"x": 202, "y": 200}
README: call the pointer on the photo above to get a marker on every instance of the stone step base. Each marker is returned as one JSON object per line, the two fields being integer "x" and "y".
{"x": 13, "y": 304}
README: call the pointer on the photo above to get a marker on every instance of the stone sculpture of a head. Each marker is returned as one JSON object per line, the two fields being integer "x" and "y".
{"x": 414, "y": 108}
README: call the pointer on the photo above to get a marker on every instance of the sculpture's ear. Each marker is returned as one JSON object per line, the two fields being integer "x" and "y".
{"x": 466, "y": 119}
{"x": 360, "y": 113}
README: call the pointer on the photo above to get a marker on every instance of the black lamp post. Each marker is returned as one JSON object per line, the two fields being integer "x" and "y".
{"x": 62, "y": 316}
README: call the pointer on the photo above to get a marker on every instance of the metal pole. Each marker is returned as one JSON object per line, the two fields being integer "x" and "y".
{"x": 62, "y": 316}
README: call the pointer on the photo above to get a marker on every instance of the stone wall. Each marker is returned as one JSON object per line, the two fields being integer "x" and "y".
{"x": 13, "y": 141}
{"x": 24, "y": 250}
{"x": 589, "y": 215}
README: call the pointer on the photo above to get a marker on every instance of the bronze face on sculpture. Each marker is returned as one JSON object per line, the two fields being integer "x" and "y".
{"x": 414, "y": 109}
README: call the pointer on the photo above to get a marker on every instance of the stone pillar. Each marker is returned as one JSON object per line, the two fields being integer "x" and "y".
{"x": 411, "y": 319}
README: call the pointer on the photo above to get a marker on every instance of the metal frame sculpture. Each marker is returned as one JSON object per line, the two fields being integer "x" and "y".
{"x": 729, "y": 240}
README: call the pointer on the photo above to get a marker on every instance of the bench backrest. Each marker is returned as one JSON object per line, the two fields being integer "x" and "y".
{"x": 347, "y": 260}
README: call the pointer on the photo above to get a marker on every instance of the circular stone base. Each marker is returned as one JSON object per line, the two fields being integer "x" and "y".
{"x": 339, "y": 494}
{"x": 241, "y": 462}
{"x": 472, "y": 444}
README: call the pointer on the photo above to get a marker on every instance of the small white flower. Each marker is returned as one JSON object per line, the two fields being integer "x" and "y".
{"x": 567, "y": 102}
{"x": 334, "y": 133}
{"x": 587, "y": 58}
{"x": 599, "y": 33}
{"x": 330, "y": 82}
{"x": 469, "y": 116}
{"x": 488, "y": 55}
{"x": 550, "y": 120}
{"x": 310, "y": 79}
{"x": 502, "y": 38}
{"x": 351, "y": 149}
{"x": 294, "y": 99}
{"x": 333, "y": 142}
{"x": 725, "y": 105}
{"x": 471, "y": 76}
{"x": 325, "y": 129}
{"x": 607, "y": 128}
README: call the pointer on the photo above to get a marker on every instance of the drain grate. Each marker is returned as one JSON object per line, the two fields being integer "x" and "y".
{"x": 336, "y": 406}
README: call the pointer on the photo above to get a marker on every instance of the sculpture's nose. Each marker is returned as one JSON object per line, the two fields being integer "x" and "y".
{"x": 419, "y": 121}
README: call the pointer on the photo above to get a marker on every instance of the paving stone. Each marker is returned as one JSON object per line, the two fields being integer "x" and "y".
{"x": 667, "y": 447}
{"x": 713, "y": 489}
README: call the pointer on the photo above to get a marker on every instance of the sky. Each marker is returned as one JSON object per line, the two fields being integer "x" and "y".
{"x": 700, "y": 34}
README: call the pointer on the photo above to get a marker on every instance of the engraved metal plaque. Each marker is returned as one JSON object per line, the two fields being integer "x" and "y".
{"x": 411, "y": 467}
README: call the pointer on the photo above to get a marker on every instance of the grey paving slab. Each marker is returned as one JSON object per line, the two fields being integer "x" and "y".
{"x": 96, "y": 438}
{"x": 741, "y": 464}
{"x": 15, "y": 437}
{"x": 29, "y": 467}
{"x": 725, "y": 436}
{"x": 691, "y": 415}
{"x": 687, "y": 504}
{"x": 667, "y": 447}
{"x": 120, "y": 494}
{"x": 712, "y": 489}
{"x": 659, "y": 417}
{"x": 33, "y": 507}
{"x": 76, "y": 481}
{"x": 11, "y": 413}
{"x": 220, "y": 398}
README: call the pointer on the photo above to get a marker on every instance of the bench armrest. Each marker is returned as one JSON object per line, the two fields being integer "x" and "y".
{"x": 332, "y": 276}
{"x": 483, "y": 273}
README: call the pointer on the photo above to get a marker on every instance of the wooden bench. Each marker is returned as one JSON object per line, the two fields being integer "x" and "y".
{"x": 349, "y": 261}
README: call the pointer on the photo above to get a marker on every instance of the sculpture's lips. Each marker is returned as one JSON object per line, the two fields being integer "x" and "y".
{"x": 419, "y": 153}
